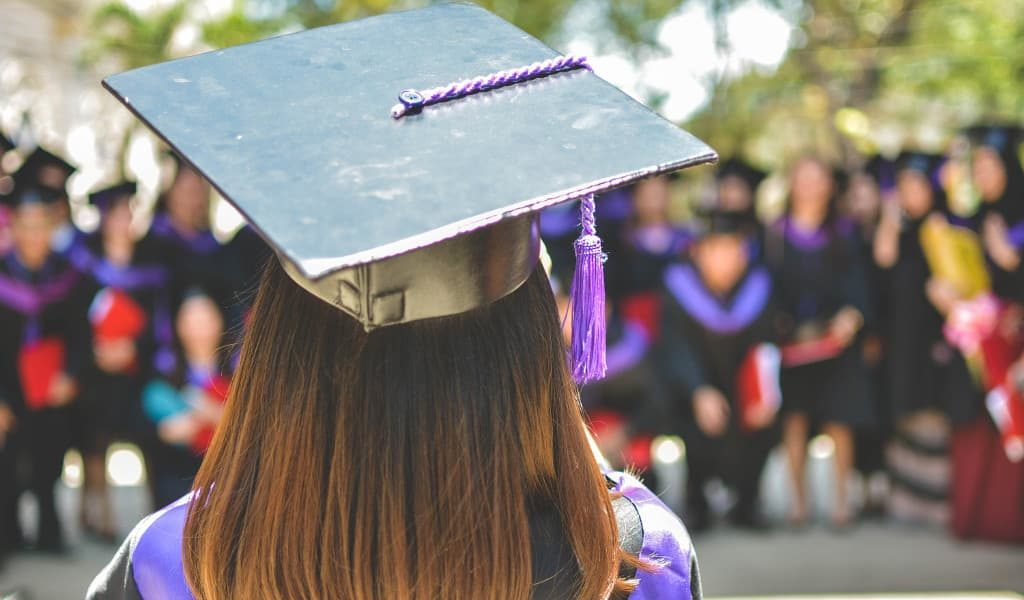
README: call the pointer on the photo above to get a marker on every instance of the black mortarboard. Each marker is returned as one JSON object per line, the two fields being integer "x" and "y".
{"x": 882, "y": 170}
{"x": 103, "y": 199}
{"x": 716, "y": 221}
{"x": 395, "y": 213}
{"x": 735, "y": 167}
{"x": 6, "y": 144}
{"x": 1001, "y": 138}
{"x": 46, "y": 169}
{"x": 922, "y": 162}
{"x": 28, "y": 191}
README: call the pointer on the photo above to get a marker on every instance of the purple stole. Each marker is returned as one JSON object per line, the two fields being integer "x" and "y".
{"x": 159, "y": 573}
{"x": 202, "y": 242}
{"x": 690, "y": 293}
{"x": 29, "y": 299}
{"x": 628, "y": 350}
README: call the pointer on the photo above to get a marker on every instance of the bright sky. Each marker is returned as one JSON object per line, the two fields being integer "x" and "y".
{"x": 758, "y": 39}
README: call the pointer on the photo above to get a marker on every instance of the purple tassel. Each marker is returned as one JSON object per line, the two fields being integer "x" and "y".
{"x": 587, "y": 297}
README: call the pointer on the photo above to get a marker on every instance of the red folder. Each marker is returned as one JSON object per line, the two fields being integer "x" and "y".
{"x": 817, "y": 349}
{"x": 757, "y": 383}
{"x": 1006, "y": 407}
{"x": 116, "y": 315}
{"x": 39, "y": 363}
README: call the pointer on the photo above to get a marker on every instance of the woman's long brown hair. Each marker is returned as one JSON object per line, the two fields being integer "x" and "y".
{"x": 396, "y": 464}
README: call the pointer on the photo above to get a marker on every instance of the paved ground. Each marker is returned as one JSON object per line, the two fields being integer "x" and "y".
{"x": 870, "y": 559}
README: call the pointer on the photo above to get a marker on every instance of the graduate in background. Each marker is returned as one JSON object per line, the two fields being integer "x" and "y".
{"x": 998, "y": 177}
{"x": 191, "y": 253}
{"x": 130, "y": 319}
{"x": 184, "y": 408}
{"x": 650, "y": 242}
{"x": 51, "y": 172}
{"x": 43, "y": 348}
{"x": 823, "y": 302}
{"x": 926, "y": 380}
{"x": 718, "y": 316}
{"x": 6, "y": 187}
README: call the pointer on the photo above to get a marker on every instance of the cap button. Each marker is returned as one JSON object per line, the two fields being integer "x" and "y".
{"x": 412, "y": 101}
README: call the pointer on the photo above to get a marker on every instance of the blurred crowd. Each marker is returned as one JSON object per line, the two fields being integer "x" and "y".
{"x": 110, "y": 336}
{"x": 878, "y": 307}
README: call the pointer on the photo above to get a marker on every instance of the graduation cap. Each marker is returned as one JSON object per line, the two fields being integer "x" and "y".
{"x": 27, "y": 191}
{"x": 46, "y": 169}
{"x": 736, "y": 167}
{"x": 1004, "y": 139}
{"x": 6, "y": 144}
{"x": 921, "y": 162}
{"x": 395, "y": 212}
{"x": 716, "y": 221}
{"x": 105, "y": 198}
{"x": 882, "y": 170}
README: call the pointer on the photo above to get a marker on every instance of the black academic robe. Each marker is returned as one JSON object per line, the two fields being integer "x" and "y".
{"x": 44, "y": 304}
{"x": 816, "y": 274}
{"x": 922, "y": 371}
{"x": 196, "y": 260}
{"x": 109, "y": 406}
{"x": 705, "y": 339}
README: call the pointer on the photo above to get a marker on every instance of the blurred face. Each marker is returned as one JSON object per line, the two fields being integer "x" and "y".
{"x": 722, "y": 260}
{"x": 117, "y": 221}
{"x": 989, "y": 174}
{"x": 811, "y": 189}
{"x": 734, "y": 195}
{"x": 863, "y": 199}
{"x": 32, "y": 228}
{"x": 188, "y": 200}
{"x": 200, "y": 327}
{"x": 650, "y": 201}
{"x": 915, "y": 193}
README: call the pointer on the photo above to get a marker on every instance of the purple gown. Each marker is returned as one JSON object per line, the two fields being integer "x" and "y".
{"x": 148, "y": 566}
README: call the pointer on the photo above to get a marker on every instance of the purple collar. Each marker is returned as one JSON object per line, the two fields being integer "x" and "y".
{"x": 1016, "y": 235}
{"x": 559, "y": 221}
{"x": 749, "y": 301}
{"x": 660, "y": 240}
{"x": 28, "y": 298}
{"x": 156, "y": 562}
{"x": 129, "y": 277}
{"x": 201, "y": 242}
{"x": 666, "y": 544}
{"x": 810, "y": 240}
{"x": 628, "y": 350}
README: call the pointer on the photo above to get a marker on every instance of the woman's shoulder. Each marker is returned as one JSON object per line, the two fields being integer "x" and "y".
{"x": 665, "y": 545}
{"x": 148, "y": 564}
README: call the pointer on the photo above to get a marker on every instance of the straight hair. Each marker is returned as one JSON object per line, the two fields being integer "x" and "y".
{"x": 398, "y": 464}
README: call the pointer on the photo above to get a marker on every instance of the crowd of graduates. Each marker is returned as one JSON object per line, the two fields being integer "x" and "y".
{"x": 734, "y": 331}
{"x": 109, "y": 336}
{"x": 870, "y": 308}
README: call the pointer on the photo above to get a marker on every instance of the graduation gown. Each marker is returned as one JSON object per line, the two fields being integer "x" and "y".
{"x": 705, "y": 340}
{"x": 816, "y": 274}
{"x": 197, "y": 260}
{"x": 109, "y": 405}
{"x": 922, "y": 371}
{"x": 148, "y": 564}
{"x": 45, "y": 307}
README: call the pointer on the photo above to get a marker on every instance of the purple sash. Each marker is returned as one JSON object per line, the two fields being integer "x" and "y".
{"x": 160, "y": 575}
{"x": 666, "y": 544}
{"x": 156, "y": 562}
{"x": 810, "y": 240}
{"x": 628, "y": 350}
{"x": 646, "y": 240}
{"x": 685, "y": 285}
{"x": 30, "y": 299}
{"x": 129, "y": 278}
{"x": 201, "y": 242}
{"x": 1016, "y": 235}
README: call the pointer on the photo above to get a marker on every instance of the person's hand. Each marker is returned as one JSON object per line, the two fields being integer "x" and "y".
{"x": 207, "y": 409}
{"x": 761, "y": 416}
{"x": 114, "y": 356}
{"x": 845, "y": 325}
{"x": 711, "y": 410}
{"x": 998, "y": 245}
{"x": 62, "y": 390}
{"x": 7, "y": 422}
{"x": 942, "y": 294}
{"x": 179, "y": 430}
